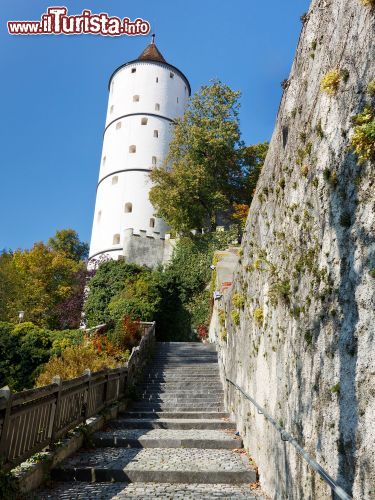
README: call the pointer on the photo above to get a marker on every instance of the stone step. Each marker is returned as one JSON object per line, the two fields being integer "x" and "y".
{"x": 181, "y": 395}
{"x": 180, "y": 369}
{"x": 145, "y": 491}
{"x": 199, "y": 384}
{"x": 174, "y": 415}
{"x": 179, "y": 388}
{"x": 161, "y": 465}
{"x": 170, "y": 396}
{"x": 162, "y": 377}
{"x": 174, "y": 408}
{"x": 167, "y": 438}
{"x": 171, "y": 423}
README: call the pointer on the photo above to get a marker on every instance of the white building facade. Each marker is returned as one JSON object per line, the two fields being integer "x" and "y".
{"x": 145, "y": 96}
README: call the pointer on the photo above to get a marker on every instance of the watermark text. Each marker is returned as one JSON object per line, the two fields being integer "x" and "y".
{"x": 56, "y": 21}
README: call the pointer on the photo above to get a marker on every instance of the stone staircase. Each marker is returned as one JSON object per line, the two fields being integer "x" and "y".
{"x": 176, "y": 441}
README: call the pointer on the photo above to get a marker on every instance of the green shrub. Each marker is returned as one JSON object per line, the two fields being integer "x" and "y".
{"x": 304, "y": 170}
{"x": 139, "y": 299}
{"x": 362, "y": 141}
{"x": 235, "y": 315}
{"x": 330, "y": 82}
{"x": 73, "y": 362}
{"x": 330, "y": 176}
{"x": 319, "y": 129}
{"x": 371, "y": 88}
{"x": 222, "y": 317}
{"x": 109, "y": 280}
{"x": 372, "y": 272}
{"x": 258, "y": 316}
{"x": 223, "y": 335}
{"x": 335, "y": 389}
{"x": 238, "y": 300}
{"x": 280, "y": 290}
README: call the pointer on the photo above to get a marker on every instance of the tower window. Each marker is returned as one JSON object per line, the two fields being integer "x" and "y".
{"x": 104, "y": 160}
{"x": 177, "y": 99}
{"x": 128, "y": 209}
{"x": 99, "y": 215}
{"x": 171, "y": 75}
{"x": 111, "y": 109}
{"x": 115, "y": 179}
{"x": 116, "y": 239}
{"x": 157, "y": 80}
{"x": 134, "y": 70}
{"x": 154, "y": 160}
{"x": 135, "y": 98}
{"x": 152, "y": 222}
{"x": 118, "y": 125}
{"x": 132, "y": 149}
{"x": 144, "y": 121}
{"x": 156, "y": 133}
{"x": 157, "y": 107}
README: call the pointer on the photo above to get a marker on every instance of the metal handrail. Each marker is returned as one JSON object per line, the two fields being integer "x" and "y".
{"x": 285, "y": 436}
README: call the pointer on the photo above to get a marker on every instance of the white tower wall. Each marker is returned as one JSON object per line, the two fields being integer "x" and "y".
{"x": 144, "y": 99}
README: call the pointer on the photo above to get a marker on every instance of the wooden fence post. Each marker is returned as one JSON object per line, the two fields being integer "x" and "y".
{"x": 55, "y": 410}
{"x": 6, "y": 393}
{"x": 87, "y": 396}
{"x": 106, "y": 387}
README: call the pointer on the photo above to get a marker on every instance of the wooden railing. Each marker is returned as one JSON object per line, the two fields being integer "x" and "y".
{"x": 34, "y": 419}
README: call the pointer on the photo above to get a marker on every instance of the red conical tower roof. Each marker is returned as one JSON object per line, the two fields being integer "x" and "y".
{"x": 151, "y": 53}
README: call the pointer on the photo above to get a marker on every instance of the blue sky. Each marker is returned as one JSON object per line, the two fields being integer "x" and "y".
{"x": 54, "y": 94}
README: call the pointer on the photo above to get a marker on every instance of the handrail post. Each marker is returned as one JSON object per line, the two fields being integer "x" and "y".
{"x": 87, "y": 395}
{"x": 6, "y": 393}
{"x": 55, "y": 410}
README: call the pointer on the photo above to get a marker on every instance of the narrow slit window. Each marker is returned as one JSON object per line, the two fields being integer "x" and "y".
{"x": 128, "y": 209}
{"x": 144, "y": 121}
{"x": 99, "y": 215}
{"x": 157, "y": 80}
{"x": 157, "y": 107}
{"x": 104, "y": 160}
{"x": 134, "y": 70}
{"x": 156, "y": 133}
{"x": 177, "y": 99}
{"x": 115, "y": 179}
{"x": 152, "y": 222}
{"x": 116, "y": 239}
{"x": 135, "y": 98}
{"x": 132, "y": 149}
{"x": 154, "y": 160}
{"x": 111, "y": 109}
{"x": 171, "y": 75}
{"x": 118, "y": 125}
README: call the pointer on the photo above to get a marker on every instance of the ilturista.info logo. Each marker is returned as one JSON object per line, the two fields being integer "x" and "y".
{"x": 56, "y": 21}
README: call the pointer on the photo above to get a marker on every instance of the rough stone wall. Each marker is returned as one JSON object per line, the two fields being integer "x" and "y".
{"x": 304, "y": 343}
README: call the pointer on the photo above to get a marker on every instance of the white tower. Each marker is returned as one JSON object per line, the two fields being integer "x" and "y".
{"x": 145, "y": 95}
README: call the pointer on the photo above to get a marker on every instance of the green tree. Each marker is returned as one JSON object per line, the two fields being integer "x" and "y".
{"x": 202, "y": 174}
{"x": 47, "y": 279}
{"x": 253, "y": 160}
{"x": 208, "y": 169}
{"x": 67, "y": 241}
{"x": 10, "y": 288}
